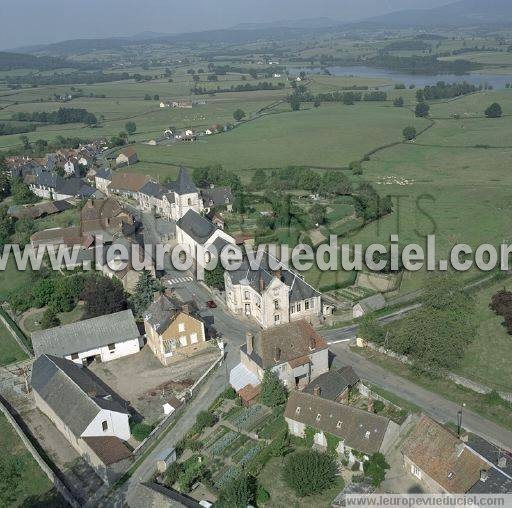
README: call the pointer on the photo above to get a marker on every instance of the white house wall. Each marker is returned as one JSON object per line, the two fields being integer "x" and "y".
{"x": 118, "y": 425}
{"x": 125, "y": 348}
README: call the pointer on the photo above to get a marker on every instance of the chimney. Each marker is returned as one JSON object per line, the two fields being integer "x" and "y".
{"x": 249, "y": 339}
{"x": 278, "y": 273}
{"x": 312, "y": 344}
{"x": 185, "y": 308}
{"x": 464, "y": 438}
{"x": 277, "y": 354}
{"x": 317, "y": 390}
{"x": 262, "y": 284}
{"x": 484, "y": 475}
{"x": 502, "y": 462}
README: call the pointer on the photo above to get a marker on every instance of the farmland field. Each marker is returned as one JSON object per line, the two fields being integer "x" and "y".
{"x": 9, "y": 350}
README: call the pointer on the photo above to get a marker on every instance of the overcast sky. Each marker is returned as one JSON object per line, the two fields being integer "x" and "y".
{"x": 26, "y": 22}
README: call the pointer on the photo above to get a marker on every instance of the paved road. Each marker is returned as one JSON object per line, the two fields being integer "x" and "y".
{"x": 436, "y": 406}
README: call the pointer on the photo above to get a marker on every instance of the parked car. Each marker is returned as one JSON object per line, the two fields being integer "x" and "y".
{"x": 211, "y": 304}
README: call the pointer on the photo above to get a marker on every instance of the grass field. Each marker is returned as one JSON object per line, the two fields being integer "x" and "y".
{"x": 10, "y": 352}
{"x": 488, "y": 359}
{"x": 281, "y": 495}
{"x": 34, "y": 489}
{"x": 12, "y": 278}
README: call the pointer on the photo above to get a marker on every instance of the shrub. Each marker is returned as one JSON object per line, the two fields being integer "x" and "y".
{"x": 409, "y": 133}
{"x": 273, "y": 392}
{"x": 141, "y": 431}
{"x": 262, "y": 495}
{"x": 309, "y": 472}
{"x": 237, "y": 493}
{"x": 356, "y": 466}
{"x": 172, "y": 474}
{"x": 378, "y": 406}
{"x": 375, "y": 468}
{"x": 230, "y": 393}
{"x": 493, "y": 111}
{"x": 204, "y": 419}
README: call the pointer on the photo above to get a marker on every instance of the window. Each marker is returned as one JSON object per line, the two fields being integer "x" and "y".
{"x": 247, "y": 295}
{"x": 111, "y": 347}
{"x": 181, "y": 327}
{"x": 306, "y": 305}
{"x": 318, "y": 417}
{"x": 74, "y": 356}
{"x": 183, "y": 340}
{"x": 292, "y": 309}
{"x": 298, "y": 307}
{"x": 104, "y": 425}
{"x": 416, "y": 471}
{"x": 276, "y": 304}
{"x": 193, "y": 338}
{"x": 338, "y": 425}
{"x": 248, "y": 309}
{"x": 277, "y": 319}
{"x": 297, "y": 411}
{"x": 367, "y": 435}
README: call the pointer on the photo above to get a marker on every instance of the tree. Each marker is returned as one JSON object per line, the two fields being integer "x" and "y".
{"x": 239, "y": 114}
{"x": 318, "y": 214}
{"x": 215, "y": 278}
{"x": 102, "y": 295}
{"x": 398, "y": 102}
{"x": 334, "y": 183}
{"x": 436, "y": 336}
{"x": 5, "y": 186}
{"x": 237, "y": 493}
{"x": 493, "y": 111}
{"x": 375, "y": 468}
{"x": 24, "y": 228}
{"x": 317, "y": 103}
{"x": 25, "y": 142}
{"x": 6, "y": 226}
{"x": 409, "y": 133}
{"x": 294, "y": 102}
{"x": 204, "y": 419}
{"x": 43, "y": 292}
{"x": 309, "y": 472}
{"x": 356, "y": 167}
{"x": 422, "y": 109}
{"x": 10, "y": 479}
{"x": 67, "y": 291}
{"x": 273, "y": 392}
{"x": 144, "y": 293}
{"x": 369, "y": 329}
{"x": 50, "y": 318}
{"x": 259, "y": 179}
{"x": 21, "y": 193}
{"x": 130, "y": 127}
{"x": 196, "y": 78}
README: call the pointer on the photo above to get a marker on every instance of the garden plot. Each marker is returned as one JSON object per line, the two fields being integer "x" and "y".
{"x": 250, "y": 418}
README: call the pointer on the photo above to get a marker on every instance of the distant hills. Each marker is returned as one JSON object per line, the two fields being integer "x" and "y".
{"x": 11, "y": 61}
{"x": 460, "y": 13}
{"x": 463, "y": 12}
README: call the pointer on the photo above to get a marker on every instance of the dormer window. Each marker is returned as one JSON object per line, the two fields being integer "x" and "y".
{"x": 104, "y": 425}
{"x": 338, "y": 425}
{"x": 297, "y": 411}
{"x": 318, "y": 417}
{"x": 367, "y": 435}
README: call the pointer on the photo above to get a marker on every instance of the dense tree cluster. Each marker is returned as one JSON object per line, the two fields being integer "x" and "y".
{"x": 7, "y": 129}
{"x": 369, "y": 205}
{"x": 501, "y": 304}
{"x": 61, "y": 116}
{"x": 436, "y": 336}
{"x": 248, "y": 87}
{"x": 60, "y": 78}
{"x": 443, "y": 90}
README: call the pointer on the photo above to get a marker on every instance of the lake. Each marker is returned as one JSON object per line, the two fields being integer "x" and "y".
{"x": 497, "y": 81}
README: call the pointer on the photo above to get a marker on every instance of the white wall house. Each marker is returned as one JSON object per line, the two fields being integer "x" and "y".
{"x": 271, "y": 297}
{"x": 103, "y": 338}
{"x": 93, "y": 419}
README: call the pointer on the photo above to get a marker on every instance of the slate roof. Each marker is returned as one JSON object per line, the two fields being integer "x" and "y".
{"x": 443, "y": 456}
{"x": 85, "y": 335}
{"x": 184, "y": 183}
{"x": 161, "y": 313}
{"x": 105, "y": 173}
{"x": 196, "y": 226}
{"x": 346, "y": 422}
{"x": 294, "y": 340}
{"x": 499, "y": 479}
{"x": 333, "y": 383}
{"x": 71, "y": 392}
{"x": 74, "y": 187}
{"x": 154, "y": 189}
{"x": 39, "y": 210}
{"x": 245, "y": 275}
{"x": 217, "y": 196}
{"x": 372, "y": 303}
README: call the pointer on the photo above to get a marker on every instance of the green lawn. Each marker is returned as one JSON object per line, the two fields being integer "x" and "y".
{"x": 34, "y": 489}
{"x": 488, "y": 359}
{"x": 10, "y": 352}
{"x": 282, "y": 496}
{"x": 12, "y": 278}
{"x": 32, "y": 322}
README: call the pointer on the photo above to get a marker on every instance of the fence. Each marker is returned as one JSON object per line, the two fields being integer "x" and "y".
{"x": 52, "y": 476}
{"x": 17, "y": 334}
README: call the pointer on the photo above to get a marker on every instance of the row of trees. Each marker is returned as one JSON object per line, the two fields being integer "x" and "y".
{"x": 247, "y": 87}
{"x": 501, "y": 304}
{"x": 61, "y": 116}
